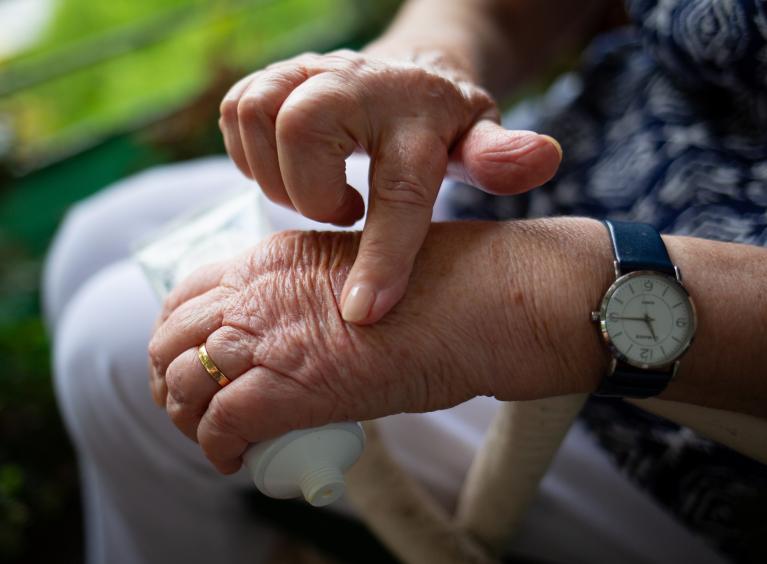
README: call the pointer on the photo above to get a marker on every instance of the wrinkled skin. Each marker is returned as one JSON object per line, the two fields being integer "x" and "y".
{"x": 270, "y": 321}
{"x": 292, "y": 125}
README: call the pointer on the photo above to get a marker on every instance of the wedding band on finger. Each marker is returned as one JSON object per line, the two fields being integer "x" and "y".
{"x": 210, "y": 367}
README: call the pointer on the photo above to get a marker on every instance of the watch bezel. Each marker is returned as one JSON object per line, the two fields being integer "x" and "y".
{"x": 620, "y": 280}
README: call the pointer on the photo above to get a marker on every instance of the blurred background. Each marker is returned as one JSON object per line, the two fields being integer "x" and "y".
{"x": 90, "y": 92}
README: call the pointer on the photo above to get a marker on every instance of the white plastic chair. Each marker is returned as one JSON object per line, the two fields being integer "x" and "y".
{"x": 503, "y": 479}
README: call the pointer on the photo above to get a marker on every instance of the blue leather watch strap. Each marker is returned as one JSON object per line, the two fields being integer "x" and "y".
{"x": 637, "y": 246}
{"x": 628, "y": 381}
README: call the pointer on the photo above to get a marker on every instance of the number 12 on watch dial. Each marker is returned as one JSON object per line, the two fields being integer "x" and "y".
{"x": 647, "y": 318}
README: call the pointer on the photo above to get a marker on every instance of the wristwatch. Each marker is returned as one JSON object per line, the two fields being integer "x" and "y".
{"x": 647, "y": 318}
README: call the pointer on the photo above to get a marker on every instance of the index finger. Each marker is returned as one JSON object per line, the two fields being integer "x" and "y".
{"x": 406, "y": 173}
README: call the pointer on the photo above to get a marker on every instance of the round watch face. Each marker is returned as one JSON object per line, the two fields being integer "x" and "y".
{"x": 647, "y": 318}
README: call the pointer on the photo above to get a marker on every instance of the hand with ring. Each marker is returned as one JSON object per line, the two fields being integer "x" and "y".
{"x": 270, "y": 325}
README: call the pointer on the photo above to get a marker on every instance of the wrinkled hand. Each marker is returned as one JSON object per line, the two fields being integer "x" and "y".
{"x": 292, "y": 125}
{"x": 270, "y": 322}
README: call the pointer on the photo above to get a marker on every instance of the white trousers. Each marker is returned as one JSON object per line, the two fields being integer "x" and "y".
{"x": 149, "y": 494}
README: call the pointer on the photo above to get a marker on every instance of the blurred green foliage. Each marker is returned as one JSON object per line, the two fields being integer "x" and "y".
{"x": 109, "y": 88}
{"x": 39, "y": 503}
{"x": 103, "y": 64}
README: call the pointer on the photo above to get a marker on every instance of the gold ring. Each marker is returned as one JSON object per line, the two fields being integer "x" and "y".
{"x": 210, "y": 366}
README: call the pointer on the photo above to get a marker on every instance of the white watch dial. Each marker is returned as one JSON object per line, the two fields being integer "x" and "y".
{"x": 648, "y": 318}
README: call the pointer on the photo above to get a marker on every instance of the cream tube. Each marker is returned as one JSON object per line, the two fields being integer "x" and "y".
{"x": 308, "y": 462}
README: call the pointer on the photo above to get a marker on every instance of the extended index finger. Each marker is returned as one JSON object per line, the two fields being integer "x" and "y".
{"x": 406, "y": 173}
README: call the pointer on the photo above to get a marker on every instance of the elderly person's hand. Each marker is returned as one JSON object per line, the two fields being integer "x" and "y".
{"x": 486, "y": 313}
{"x": 292, "y": 125}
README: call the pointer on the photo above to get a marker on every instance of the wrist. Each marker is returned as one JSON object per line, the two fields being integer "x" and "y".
{"x": 553, "y": 273}
{"x": 470, "y": 38}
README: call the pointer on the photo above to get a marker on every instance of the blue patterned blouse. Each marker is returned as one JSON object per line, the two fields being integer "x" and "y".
{"x": 666, "y": 123}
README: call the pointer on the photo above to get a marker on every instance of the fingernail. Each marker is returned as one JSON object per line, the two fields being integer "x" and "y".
{"x": 556, "y": 144}
{"x": 358, "y": 304}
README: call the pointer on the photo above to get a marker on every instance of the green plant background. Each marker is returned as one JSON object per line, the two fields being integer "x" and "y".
{"x": 108, "y": 89}
{"x": 102, "y": 63}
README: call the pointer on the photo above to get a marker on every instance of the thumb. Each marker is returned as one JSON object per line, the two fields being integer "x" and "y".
{"x": 406, "y": 173}
{"x": 502, "y": 161}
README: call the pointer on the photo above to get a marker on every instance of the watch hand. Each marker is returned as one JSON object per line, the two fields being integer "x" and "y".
{"x": 649, "y": 320}
{"x": 630, "y": 318}
{"x": 645, "y": 317}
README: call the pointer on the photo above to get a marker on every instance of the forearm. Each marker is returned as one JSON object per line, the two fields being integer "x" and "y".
{"x": 726, "y": 366}
{"x": 570, "y": 268}
{"x": 495, "y": 43}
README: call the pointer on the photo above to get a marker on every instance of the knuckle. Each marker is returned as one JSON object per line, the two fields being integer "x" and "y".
{"x": 174, "y": 409}
{"x": 272, "y": 88}
{"x": 346, "y": 54}
{"x": 348, "y": 58}
{"x": 221, "y": 417}
{"x": 293, "y": 120}
{"x": 315, "y": 112}
{"x": 333, "y": 91}
{"x": 250, "y": 108}
{"x": 478, "y": 97}
{"x": 227, "y": 341}
{"x": 155, "y": 356}
{"x": 228, "y": 109}
{"x": 173, "y": 381}
{"x": 301, "y": 61}
{"x": 307, "y": 119}
{"x": 404, "y": 191}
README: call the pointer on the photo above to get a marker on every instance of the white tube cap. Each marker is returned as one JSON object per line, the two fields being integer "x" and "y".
{"x": 308, "y": 462}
